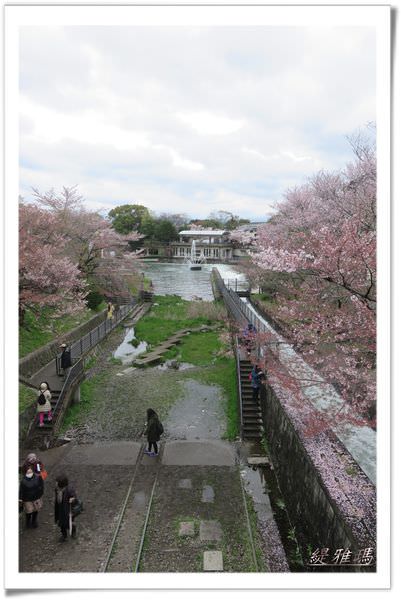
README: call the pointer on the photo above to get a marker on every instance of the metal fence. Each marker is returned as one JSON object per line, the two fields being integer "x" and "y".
{"x": 88, "y": 341}
{"x": 81, "y": 346}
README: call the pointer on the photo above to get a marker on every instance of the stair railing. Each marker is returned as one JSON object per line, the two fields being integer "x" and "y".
{"x": 237, "y": 357}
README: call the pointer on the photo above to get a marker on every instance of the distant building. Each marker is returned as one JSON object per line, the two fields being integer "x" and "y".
{"x": 213, "y": 243}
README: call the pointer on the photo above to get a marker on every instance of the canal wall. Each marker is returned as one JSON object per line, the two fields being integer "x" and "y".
{"x": 330, "y": 501}
{"x": 34, "y": 361}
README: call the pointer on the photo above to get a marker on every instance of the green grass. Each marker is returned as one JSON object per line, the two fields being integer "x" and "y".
{"x": 201, "y": 349}
{"x": 168, "y": 316}
{"x": 27, "y": 397}
{"x": 77, "y": 412}
{"x": 39, "y": 330}
{"x": 197, "y": 348}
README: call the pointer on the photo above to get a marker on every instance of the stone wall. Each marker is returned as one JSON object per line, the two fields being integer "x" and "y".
{"x": 30, "y": 364}
{"x": 330, "y": 501}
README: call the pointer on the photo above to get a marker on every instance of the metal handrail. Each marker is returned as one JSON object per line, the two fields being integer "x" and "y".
{"x": 93, "y": 337}
{"x": 73, "y": 374}
{"x": 85, "y": 344}
{"x": 239, "y": 382}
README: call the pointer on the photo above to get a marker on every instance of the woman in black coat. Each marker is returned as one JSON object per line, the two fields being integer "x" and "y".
{"x": 153, "y": 431}
{"x": 30, "y": 495}
{"x": 64, "y": 496}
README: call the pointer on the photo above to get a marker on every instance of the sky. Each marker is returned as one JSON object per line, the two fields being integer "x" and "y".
{"x": 190, "y": 119}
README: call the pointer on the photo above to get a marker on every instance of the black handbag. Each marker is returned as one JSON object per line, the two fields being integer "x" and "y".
{"x": 77, "y": 507}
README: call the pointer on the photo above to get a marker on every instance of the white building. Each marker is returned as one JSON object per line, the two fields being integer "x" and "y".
{"x": 214, "y": 243}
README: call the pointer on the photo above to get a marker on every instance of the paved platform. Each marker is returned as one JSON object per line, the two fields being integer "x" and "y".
{"x": 202, "y": 452}
{"x": 111, "y": 453}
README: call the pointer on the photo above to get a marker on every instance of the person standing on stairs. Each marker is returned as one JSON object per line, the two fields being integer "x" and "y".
{"x": 43, "y": 406}
{"x": 256, "y": 376}
{"x": 30, "y": 496}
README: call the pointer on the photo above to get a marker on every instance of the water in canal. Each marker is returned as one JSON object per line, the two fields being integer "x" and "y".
{"x": 177, "y": 278}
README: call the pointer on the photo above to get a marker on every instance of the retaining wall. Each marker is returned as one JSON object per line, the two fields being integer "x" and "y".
{"x": 33, "y": 362}
{"x": 330, "y": 500}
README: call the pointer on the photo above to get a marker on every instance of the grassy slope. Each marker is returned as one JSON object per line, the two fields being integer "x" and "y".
{"x": 27, "y": 397}
{"x": 38, "y": 331}
{"x": 167, "y": 316}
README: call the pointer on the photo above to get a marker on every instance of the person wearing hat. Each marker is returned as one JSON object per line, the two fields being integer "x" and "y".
{"x": 44, "y": 403}
{"x": 65, "y": 358}
{"x": 38, "y": 467}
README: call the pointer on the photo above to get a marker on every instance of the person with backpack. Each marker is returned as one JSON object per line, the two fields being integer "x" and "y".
{"x": 256, "y": 376}
{"x": 43, "y": 405}
{"x": 153, "y": 431}
{"x": 30, "y": 496}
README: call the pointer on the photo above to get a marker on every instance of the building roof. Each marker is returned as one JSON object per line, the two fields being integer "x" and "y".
{"x": 203, "y": 232}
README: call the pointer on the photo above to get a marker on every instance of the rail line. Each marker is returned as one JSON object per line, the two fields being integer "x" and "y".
{"x": 139, "y": 551}
{"x": 123, "y": 509}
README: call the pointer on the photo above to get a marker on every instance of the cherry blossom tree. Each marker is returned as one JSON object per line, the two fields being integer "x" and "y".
{"x": 47, "y": 276}
{"x": 323, "y": 241}
{"x": 102, "y": 254}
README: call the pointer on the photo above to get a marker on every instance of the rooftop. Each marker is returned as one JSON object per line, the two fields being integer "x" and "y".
{"x": 203, "y": 232}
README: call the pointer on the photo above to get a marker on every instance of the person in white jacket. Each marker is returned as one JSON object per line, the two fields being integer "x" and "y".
{"x": 44, "y": 403}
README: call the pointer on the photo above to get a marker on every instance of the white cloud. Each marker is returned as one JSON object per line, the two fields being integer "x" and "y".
{"x": 190, "y": 119}
{"x": 206, "y": 123}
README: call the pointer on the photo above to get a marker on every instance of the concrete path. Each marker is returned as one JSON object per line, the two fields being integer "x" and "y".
{"x": 191, "y": 481}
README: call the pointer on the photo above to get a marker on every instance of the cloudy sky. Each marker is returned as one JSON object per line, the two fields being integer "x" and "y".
{"x": 191, "y": 120}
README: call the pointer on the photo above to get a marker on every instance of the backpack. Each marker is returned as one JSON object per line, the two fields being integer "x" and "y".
{"x": 41, "y": 399}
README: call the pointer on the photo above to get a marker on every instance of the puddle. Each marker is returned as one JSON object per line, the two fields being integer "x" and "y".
{"x": 126, "y": 351}
{"x": 199, "y": 414}
{"x": 261, "y": 485}
{"x": 175, "y": 365}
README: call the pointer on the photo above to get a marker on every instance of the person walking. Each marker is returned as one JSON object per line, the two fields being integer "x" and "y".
{"x": 110, "y": 311}
{"x": 153, "y": 431}
{"x": 43, "y": 406}
{"x": 63, "y": 500}
{"x": 256, "y": 376}
{"x": 36, "y": 464}
{"x": 248, "y": 337}
{"x": 65, "y": 359}
{"x": 30, "y": 496}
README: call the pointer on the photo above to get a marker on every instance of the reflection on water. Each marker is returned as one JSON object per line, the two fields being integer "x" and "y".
{"x": 126, "y": 351}
{"x": 177, "y": 278}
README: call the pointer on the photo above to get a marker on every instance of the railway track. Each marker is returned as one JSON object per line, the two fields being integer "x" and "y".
{"x": 131, "y": 489}
{"x": 127, "y": 547}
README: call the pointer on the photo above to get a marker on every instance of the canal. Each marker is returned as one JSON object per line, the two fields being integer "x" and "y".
{"x": 177, "y": 278}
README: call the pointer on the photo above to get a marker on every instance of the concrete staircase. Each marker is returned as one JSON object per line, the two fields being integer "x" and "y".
{"x": 251, "y": 411}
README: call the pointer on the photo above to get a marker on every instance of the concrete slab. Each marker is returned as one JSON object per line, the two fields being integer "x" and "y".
{"x": 109, "y": 453}
{"x": 212, "y": 560}
{"x": 207, "y": 494}
{"x": 129, "y": 370}
{"x": 187, "y": 528}
{"x": 258, "y": 460}
{"x": 202, "y": 452}
{"x": 185, "y": 484}
{"x": 210, "y": 531}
